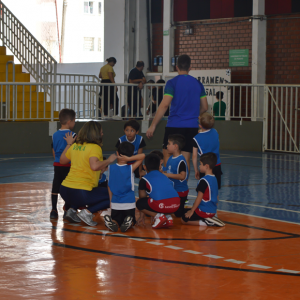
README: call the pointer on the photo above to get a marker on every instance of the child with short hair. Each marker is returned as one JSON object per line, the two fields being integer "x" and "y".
{"x": 177, "y": 170}
{"x": 131, "y": 130}
{"x": 121, "y": 188}
{"x": 157, "y": 196}
{"x": 67, "y": 122}
{"x": 161, "y": 157}
{"x": 205, "y": 206}
{"x": 207, "y": 141}
{"x": 219, "y": 107}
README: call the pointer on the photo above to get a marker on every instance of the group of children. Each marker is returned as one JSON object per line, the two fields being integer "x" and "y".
{"x": 163, "y": 190}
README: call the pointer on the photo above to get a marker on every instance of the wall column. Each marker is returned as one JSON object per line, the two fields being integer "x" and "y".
{"x": 259, "y": 47}
{"x": 168, "y": 38}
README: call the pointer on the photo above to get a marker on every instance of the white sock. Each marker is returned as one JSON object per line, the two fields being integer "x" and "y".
{"x": 201, "y": 223}
{"x": 169, "y": 217}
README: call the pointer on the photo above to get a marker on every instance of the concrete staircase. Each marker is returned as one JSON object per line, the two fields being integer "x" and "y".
{"x": 35, "y": 103}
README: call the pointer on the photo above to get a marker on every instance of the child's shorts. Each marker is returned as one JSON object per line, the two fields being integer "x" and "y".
{"x": 162, "y": 206}
{"x": 197, "y": 215}
{"x": 217, "y": 171}
{"x": 120, "y": 215}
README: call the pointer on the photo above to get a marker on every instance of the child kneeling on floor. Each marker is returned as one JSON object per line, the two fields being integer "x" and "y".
{"x": 205, "y": 206}
{"x": 121, "y": 188}
{"x": 163, "y": 199}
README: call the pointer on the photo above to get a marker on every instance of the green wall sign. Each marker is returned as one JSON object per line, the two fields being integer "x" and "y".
{"x": 239, "y": 58}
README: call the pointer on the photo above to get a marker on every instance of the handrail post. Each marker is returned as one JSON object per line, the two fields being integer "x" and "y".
{"x": 265, "y": 120}
{"x": 145, "y": 102}
{"x": 13, "y": 87}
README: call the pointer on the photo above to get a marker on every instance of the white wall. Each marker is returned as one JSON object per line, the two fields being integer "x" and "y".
{"x": 114, "y": 35}
{"x": 78, "y": 26}
{"x": 80, "y": 68}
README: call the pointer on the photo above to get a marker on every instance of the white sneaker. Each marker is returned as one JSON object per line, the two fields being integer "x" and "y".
{"x": 159, "y": 220}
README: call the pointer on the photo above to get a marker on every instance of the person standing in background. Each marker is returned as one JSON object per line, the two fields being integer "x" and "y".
{"x": 136, "y": 75}
{"x": 107, "y": 74}
{"x": 219, "y": 107}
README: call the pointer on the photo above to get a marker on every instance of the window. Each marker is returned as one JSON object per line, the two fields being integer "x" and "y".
{"x": 88, "y": 44}
{"x": 99, "y": 8}
{"x": 88, "y": 7}
{"x": 99, "y": 44}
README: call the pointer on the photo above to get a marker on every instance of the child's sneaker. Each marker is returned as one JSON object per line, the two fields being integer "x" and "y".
{"x": 53, "y": 215}
{"x": 169, "y": 222}
{"x": 126, "y": 224}
{"x": 159, "y": 220}
{"x": 71, "y": 216}
{"x": 110, "y": 224}
{"x": 217, "y": 221}
{"x": 87, "y": 217}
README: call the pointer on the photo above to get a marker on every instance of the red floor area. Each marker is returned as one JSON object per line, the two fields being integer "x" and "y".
{"x": 250, "y": 258}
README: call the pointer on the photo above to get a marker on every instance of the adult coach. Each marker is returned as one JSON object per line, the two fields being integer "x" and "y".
{"x": 136, "y": 75}
{"x": 188, "y": 100}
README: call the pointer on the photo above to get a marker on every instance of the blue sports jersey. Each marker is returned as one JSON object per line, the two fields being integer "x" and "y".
{"x": 59, "y": 143}
{"x": 121, "y": 184}
{"x": 185, "y": 106}
{"x": 160, "y": 186}
{"x": 208, "y": 141}
{"x": 102, "y": 178}
{"x": 210, "y": 196}
{"x": 136, "y": 142}
{"x": 173, "y": 164}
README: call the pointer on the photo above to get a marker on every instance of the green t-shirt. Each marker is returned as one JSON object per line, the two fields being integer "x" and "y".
{"x": 217, "y": 110}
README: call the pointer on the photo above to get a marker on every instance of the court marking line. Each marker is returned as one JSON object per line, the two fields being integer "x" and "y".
{"x": 6, "y": 158}
{"x": 137, "y": 239}
{"x": 14, "y": 235}
{"x": 288, "y": 271}
{"x": 268, "y": 158}
{"x": 195, "y": 252}
{"x": 174, "y": 262}
{"x": 259, "y": 266}
{"x": 173, "y": 247}
{"x": 239, "y": 262}
{"x": 232, "y": 212}
{"x": 155, "y": 243}
{"x": 192, "y": 252}
{"x": 213, "y": 256}
{"x": 248, "y": 204}
{"x": 182, "y": 239}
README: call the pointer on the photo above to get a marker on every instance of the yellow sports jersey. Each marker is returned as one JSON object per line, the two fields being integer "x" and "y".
{"x": 107, "y": 69}
{"x": 81, "y": 176}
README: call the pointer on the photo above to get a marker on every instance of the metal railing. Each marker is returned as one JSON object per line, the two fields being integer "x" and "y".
{"x": 94, "y": 100}
{"x": 281, "y": 116}
{"x": 26, "y": 48}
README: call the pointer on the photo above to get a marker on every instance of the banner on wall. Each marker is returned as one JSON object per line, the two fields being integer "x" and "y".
{"x": 209, "y": 78}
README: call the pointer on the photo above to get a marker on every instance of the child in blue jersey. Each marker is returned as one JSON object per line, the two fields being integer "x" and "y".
{"x": 121, "y": 189}
{"x": 207, "y": 140}
{"x": 131, "y": 130}
{"x": 67, "y": 121}
{"x": 177, "y": 170}
{"x": 157, "y": 196}
{"x": 205, "y": 206}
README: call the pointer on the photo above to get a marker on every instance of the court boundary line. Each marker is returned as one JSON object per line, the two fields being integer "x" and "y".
{"x": 241, "y": 203}
{"x": 232, "y": 212}
{"x": 288, "y": 235}
{"x": 171, "y": 261}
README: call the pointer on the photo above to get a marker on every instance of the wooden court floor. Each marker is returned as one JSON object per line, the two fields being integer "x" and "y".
{"x": 251, "y": 258}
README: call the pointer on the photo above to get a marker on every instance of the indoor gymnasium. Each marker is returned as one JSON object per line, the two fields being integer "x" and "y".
{"x": 149, "y": 149}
